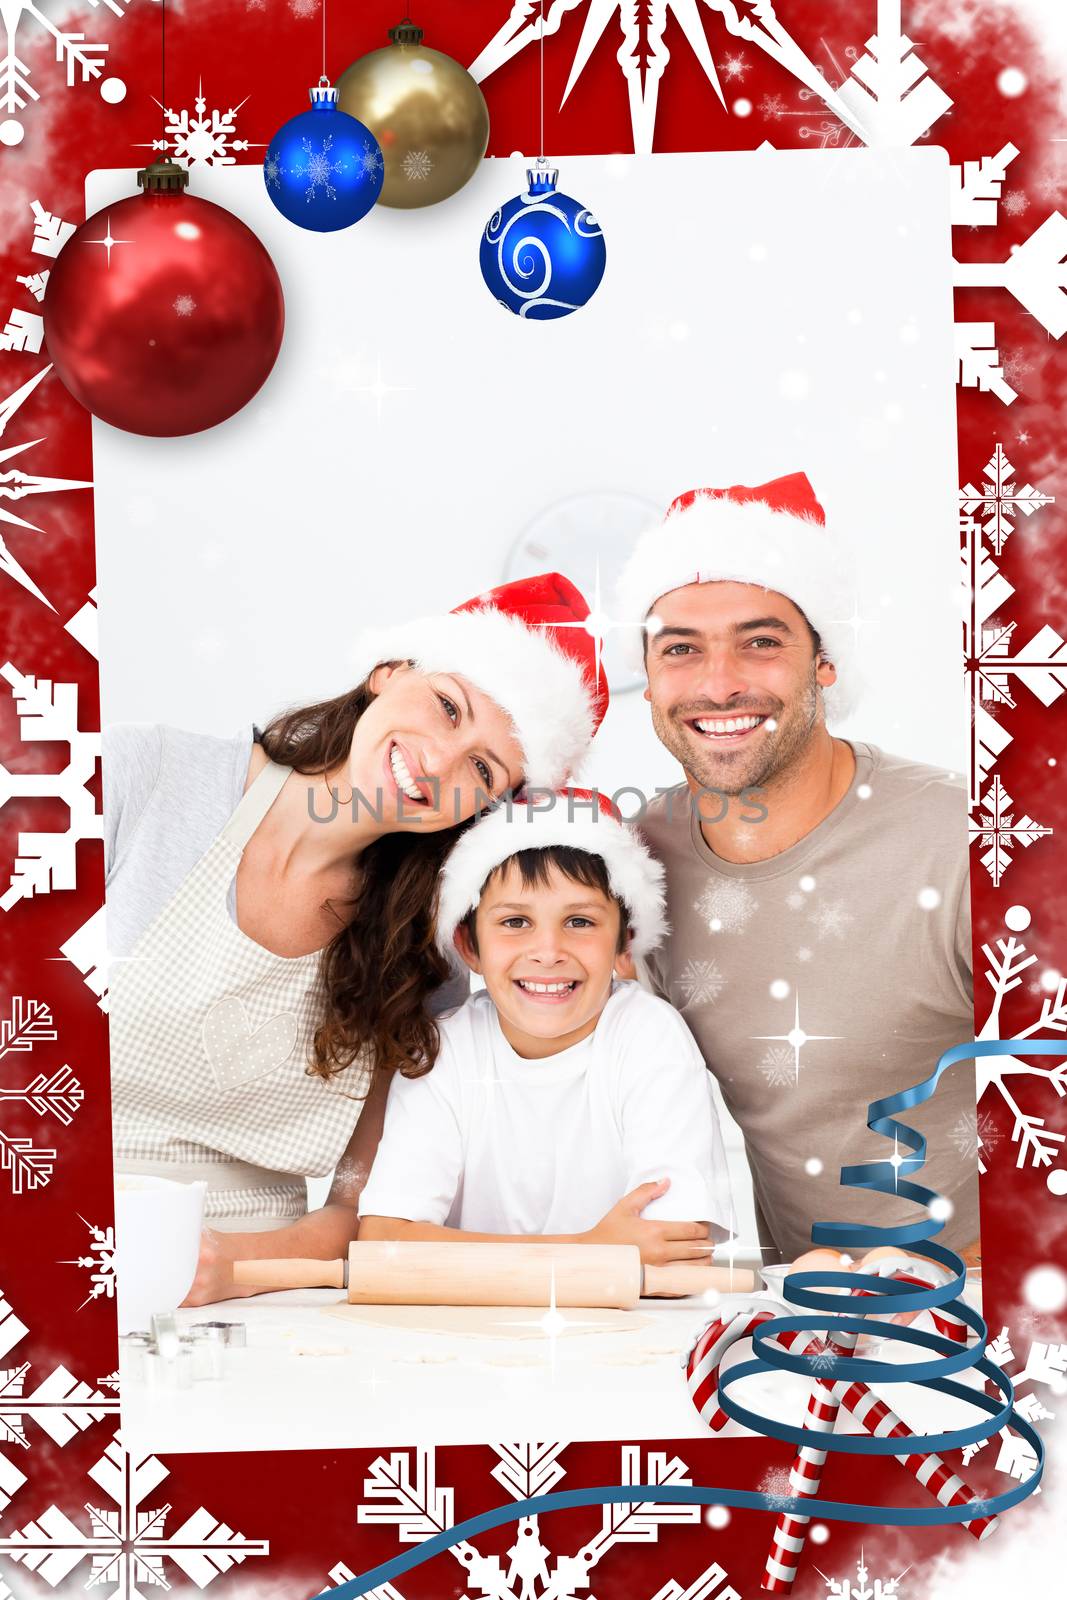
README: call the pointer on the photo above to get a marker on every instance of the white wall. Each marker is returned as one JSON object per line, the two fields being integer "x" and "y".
{"x": 760, "y": 313}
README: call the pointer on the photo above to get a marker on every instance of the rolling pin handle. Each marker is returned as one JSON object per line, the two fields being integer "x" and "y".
{"x": 292, "y": 1272}
{"x": 680, "y": 1279}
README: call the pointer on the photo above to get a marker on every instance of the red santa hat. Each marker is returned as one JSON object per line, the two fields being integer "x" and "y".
{"x": 583, "y": 819}
{"x": 526, "y": 646}
{"x": 773, "y": 535}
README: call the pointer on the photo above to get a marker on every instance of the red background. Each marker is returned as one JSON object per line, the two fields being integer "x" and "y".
{"x": 305, "y": 1503}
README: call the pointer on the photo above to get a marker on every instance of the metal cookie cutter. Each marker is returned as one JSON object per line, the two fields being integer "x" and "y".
{"x": 208, "y": 1350}
{"x": 234, "y": 1334}
{"x": 166, "y": 1335}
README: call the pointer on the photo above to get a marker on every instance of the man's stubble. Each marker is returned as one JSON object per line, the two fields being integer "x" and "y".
{"x": 767, "y": 762}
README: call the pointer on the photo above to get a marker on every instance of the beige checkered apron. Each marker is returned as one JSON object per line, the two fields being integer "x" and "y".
{"x": 210, "y": 1035}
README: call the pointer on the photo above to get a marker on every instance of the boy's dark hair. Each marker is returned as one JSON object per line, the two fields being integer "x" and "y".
{"x": 580, "y": 866}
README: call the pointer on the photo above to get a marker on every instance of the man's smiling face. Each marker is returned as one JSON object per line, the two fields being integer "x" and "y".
{"x": 734, "y": 682}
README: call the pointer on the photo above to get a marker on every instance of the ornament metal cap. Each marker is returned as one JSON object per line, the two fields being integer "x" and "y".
{"x": 163, "y": 177}
{"x": 541, "y": 179}
{"x": 405, "y": 32}
{"x": 323, "y": 95}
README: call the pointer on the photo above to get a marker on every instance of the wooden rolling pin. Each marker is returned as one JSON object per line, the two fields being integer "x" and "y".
{"x": 410, "y": 1273}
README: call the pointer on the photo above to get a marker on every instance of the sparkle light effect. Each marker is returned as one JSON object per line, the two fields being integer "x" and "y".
{"x": 379, "y": 389}
{"x": 856, "y": 621}
{"x": 797, "y": 1038}
{"x": 108, "y": 242}
{"x": 552, "y": 1323}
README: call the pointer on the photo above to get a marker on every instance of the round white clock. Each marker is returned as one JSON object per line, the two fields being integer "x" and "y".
{"x": 588, "y": 538}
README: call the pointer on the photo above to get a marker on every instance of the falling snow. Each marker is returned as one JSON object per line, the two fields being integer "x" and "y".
{"x": 1016, "y": 369}
{"x": 699, "y": 983}
{"x": 727, "y": 907}
{"x": 776, "y": 1485}
{"x": 734, "y": 67}
{"x": 184, "y": 305}
{"x": 417, "y": 165}
{"x": 974, "y": 1132}
{"x": 1015, "y": 203}
{"x": 823, "y": 1359}
{"x": 779, "y": 1066}
{"x": 831, "y": 919}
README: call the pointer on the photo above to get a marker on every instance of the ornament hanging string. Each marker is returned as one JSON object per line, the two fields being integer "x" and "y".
{"x": 541, "y": 38}
{"x": 163, "y": 63}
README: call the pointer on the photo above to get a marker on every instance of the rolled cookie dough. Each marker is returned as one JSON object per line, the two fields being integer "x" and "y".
{"x": 490, "y": 1322}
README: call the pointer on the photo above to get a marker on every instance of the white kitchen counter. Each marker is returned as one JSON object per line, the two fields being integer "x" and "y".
{"x": 308, "y": 1380}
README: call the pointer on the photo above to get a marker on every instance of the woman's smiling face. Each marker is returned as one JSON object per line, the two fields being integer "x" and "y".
{"x": 431, "y": 749}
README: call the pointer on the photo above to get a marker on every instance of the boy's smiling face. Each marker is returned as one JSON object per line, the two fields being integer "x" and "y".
{"x": 547, "y": 953}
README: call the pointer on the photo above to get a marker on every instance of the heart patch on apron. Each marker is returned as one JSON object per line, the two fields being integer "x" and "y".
{"x": 239, "y": 1053}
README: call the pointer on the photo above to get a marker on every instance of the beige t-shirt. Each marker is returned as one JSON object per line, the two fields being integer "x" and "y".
{"x": 859, "y": 938}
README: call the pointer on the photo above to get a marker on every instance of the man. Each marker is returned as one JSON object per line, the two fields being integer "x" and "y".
{"x": 821, "y": 946}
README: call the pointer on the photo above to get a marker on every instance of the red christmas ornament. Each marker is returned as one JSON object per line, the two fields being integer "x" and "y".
{"x": 163, "y": 313}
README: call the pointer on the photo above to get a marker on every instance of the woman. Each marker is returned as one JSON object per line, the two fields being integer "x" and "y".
{"x": 269, "y": 907}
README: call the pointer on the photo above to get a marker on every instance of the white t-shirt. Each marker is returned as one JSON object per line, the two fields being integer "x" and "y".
{"x": 491, "y": 1143}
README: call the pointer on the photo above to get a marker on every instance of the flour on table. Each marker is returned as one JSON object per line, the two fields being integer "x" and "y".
{"x": 490, "y": 1322}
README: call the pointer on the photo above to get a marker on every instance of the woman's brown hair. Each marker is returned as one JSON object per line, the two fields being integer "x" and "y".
{"x": 382, "y": 967}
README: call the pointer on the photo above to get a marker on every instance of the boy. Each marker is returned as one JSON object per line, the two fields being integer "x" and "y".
{"x": 564, "y": 1105}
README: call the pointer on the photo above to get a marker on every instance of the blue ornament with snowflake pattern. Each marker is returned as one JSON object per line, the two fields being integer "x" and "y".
{"x": 542, "y": 254}
{"x": 324, "y": 169}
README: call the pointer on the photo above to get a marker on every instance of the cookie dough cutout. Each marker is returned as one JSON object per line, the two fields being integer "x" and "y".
{"x": 491, "y": 1322}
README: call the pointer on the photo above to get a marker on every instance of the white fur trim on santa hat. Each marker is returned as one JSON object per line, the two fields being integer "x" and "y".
{"x": 718, "y": 540}
{"x": 543, "y": 690}
{"x": 635, "y": 876}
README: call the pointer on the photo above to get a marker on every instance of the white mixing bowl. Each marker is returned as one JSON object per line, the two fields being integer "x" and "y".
{"x": 157, "y": 1245}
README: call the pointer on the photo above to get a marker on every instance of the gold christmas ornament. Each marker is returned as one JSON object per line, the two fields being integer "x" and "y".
{"x": 426, "y": 112}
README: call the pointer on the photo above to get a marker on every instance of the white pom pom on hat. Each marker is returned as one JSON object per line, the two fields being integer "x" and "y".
{"x": 582, "y": 819}
{"x": 773, "y": 535}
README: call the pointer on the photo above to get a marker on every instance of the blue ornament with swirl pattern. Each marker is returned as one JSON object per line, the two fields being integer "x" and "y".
{"x": 542, "y": 254}
{"x": 323, "y": 168}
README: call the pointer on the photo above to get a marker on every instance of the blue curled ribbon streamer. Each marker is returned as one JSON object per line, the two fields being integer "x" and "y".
{"x": 815, "y": 1290}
